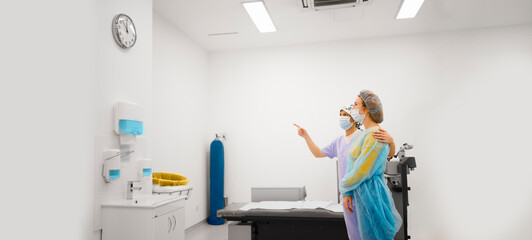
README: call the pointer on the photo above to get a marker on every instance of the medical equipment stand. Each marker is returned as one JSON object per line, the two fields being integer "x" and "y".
{"x": 396, "y": 173}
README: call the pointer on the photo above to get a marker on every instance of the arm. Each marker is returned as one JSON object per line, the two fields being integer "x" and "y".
{"x": 316, "y": 151}
{"x": 392, "y": 150}
{"x": 385, "y": 137}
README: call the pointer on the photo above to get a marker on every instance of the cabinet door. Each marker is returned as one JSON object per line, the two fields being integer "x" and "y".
{"x": 178, "y": 230}
{"x": 170, "y": 226}
{"x": 162, "y": 227}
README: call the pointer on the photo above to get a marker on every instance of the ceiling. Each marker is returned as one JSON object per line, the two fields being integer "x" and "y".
{"x": 200, "y": 19}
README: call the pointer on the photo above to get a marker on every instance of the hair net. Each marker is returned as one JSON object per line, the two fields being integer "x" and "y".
{"x": 374, "y": 105}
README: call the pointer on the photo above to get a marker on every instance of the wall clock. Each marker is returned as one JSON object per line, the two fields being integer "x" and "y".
{"x": 124, "y": 31}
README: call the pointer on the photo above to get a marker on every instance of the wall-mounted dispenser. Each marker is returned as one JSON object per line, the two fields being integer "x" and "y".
{"x": 128, "y": 121}
{"x": 144, "y": 169}
{"x": 111, "y": 165}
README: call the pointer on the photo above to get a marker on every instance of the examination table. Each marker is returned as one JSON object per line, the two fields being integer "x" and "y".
{"x": 290, "y": 224}
{"x": 309, "y": 224}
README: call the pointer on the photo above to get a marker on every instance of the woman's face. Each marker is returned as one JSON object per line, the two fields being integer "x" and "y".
{"x": 359, "y": 105}
{"x": 345, "y": 114}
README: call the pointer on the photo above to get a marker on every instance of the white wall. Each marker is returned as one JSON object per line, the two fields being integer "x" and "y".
{"x": 181, "y": 112}
{"x": 121, "y": 75}
{"x": 46, "y": 95}
{"x": 61, "y": 74}
{"x": 461, "y": 98}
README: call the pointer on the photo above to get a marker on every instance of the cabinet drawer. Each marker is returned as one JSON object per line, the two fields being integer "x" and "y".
{"x": 168, "y": 208}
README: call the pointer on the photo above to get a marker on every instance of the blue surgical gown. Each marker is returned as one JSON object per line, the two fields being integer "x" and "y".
{"x": 378, "y": 218}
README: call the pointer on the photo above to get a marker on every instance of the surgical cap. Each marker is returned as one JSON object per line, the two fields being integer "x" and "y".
{"x": 347, "y": 108}
{"x": 374, "y": 105}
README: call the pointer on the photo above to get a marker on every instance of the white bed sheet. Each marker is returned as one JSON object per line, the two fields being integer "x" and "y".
{"x": 285, "y": 205}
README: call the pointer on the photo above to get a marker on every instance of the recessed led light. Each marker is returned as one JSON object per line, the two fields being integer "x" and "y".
{"x": 258, "y": 13}
{"x": 409, "y": 9}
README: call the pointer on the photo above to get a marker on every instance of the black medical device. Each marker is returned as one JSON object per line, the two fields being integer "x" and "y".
{"x": 396, "y": 173}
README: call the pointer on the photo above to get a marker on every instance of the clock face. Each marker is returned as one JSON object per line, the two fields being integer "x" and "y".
{"x": 124, "y": 31}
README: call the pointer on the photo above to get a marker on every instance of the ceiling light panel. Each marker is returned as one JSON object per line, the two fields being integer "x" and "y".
{"x": 258, "y": 13}
{"x": 409, "y": 9}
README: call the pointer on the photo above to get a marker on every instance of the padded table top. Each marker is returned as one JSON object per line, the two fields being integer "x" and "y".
{"x": 232, "y": 213}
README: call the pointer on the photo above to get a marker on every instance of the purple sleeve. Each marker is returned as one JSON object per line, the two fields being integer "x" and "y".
{"x": 330, "y": 150}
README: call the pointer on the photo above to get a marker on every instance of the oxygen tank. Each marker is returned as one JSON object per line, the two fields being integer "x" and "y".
{"x": 216, "y": 182}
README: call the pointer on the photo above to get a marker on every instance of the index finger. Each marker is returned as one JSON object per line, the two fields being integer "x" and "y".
{"x": 297, "y": 125}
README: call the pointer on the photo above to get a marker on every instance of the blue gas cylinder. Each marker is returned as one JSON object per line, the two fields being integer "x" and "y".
{"x": 216, "y": 182}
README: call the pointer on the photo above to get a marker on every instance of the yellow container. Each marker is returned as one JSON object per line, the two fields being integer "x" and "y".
{"x": 169, "y": 179}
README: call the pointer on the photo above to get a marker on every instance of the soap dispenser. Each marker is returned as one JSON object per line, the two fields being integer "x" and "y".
{"x": 111, "y": 165}
{"x": 144, "y": 169}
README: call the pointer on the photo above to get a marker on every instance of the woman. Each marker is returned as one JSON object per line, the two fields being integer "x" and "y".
{"x": 339, "y": 148}
{"x": 364, "y": 183}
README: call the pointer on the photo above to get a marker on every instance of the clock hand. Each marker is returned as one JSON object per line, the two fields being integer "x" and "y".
{"x": 127, "y": 26}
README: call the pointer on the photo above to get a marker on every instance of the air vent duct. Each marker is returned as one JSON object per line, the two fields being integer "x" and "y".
{"x": 333, "y": 4}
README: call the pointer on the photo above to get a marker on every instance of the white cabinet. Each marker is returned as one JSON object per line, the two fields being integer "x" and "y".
{"x": 141, "y": 219}
{"x": 170, "y": 226}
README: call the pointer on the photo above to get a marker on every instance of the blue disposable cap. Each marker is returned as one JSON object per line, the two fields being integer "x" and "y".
{"x": 146, "y": 171}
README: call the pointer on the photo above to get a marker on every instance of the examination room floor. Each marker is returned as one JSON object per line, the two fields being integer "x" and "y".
{"x": 204, "y": 231}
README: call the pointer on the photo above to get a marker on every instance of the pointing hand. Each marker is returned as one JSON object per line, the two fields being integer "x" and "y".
{"x": 301, "y": 131}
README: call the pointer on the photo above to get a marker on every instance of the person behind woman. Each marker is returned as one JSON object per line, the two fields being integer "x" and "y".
{"x": 364, "y": 183}
{"x": 338, "y": 148}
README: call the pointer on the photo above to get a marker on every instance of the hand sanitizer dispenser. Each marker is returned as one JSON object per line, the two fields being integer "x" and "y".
{"x": 144, "y": 169}
{"x": 111, "y": 165}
